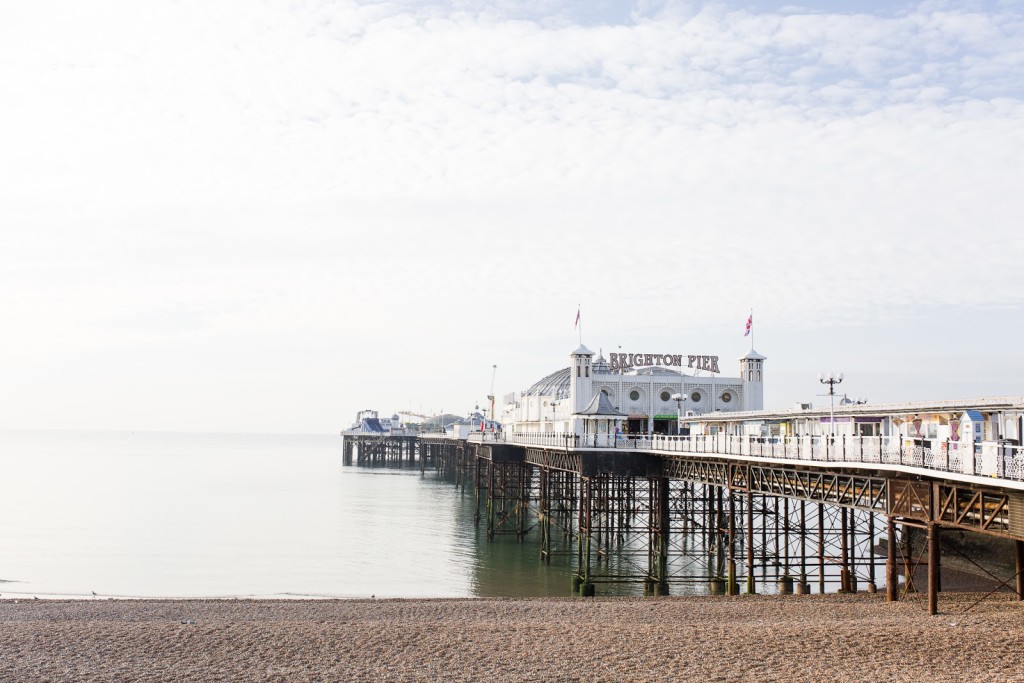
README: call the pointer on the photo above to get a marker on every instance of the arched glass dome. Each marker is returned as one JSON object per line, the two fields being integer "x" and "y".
{"x": 556, "y": 384}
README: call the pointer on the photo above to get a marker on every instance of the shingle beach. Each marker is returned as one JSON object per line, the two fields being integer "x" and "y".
{"x": 744, "y": 638}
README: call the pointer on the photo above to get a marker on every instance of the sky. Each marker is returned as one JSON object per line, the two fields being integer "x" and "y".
{"x": 264, "y": 216}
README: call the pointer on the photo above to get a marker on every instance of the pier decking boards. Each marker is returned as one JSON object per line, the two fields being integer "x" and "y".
{"x": 644, "y": 515}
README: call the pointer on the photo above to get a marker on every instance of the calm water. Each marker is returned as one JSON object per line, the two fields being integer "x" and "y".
{"x": 179, "y": 515}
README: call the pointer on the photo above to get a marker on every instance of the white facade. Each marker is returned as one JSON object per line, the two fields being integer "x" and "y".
{"x": 476, "y": 423}
{"x": 644, "y": 394}
{"x": 977, "y": 420}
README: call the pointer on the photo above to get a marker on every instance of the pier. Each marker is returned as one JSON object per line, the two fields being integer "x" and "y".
{"x": 793, "y": 514}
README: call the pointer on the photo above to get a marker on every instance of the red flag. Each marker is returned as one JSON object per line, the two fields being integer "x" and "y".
{"x": 750, "y": 323}
{"x": 577, "y": 323}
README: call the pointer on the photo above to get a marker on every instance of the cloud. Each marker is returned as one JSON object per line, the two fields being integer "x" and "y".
{"x": 217, "y": 172}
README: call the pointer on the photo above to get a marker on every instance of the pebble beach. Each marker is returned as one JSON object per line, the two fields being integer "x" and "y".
{"x": 743, "y": 638}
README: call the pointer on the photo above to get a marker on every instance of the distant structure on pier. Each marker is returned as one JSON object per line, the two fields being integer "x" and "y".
{"x": 645, "y": 393}
{"x": 369, "y": 422}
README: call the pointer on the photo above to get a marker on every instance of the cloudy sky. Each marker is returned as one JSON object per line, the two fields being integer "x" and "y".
{"x": 267, "y": 215}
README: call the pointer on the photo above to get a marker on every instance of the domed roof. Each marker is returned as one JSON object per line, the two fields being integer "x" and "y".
{"x": 556, "y": 384}
{"x": 600, "y": 366}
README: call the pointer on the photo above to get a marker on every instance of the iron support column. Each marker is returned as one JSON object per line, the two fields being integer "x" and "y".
{"x": 1018, "y": 551}
{"x": 751, "y": 588}
{"x": 821, "y": 548}
{"x": 733, "y": 588}
{"x": 664, "y": 521}
{"x": 844, "y": 560}
{"x": 892, "y": 592}
{"x": 933, "y": 569}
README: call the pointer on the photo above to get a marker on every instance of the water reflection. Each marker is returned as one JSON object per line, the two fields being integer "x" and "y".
{"x": 197, "y": 515}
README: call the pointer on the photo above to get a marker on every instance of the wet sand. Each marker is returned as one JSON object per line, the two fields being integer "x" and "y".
{"x": 744, "y": 638}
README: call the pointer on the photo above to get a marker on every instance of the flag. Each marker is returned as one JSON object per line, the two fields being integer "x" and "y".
{"x": 750, "y": 323}
{"x": 577, "y": 323}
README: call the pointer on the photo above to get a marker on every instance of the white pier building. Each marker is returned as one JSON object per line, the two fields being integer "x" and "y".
{"x": 643, "y": 394}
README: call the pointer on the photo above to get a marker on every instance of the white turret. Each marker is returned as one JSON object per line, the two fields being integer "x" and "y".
{"x": 752, "y": 376}
{"x": 581, "y": 386}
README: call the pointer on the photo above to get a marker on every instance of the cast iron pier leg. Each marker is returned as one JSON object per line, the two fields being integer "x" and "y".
{"x": 821, "y": 547}
{"x": 1018, "y": 551}
{"x": 751, "y": 587}
{"x": 490, "y": 500}
{"x": 871, "y": 553}
{"x": 663, "y": 534}
{"x": 476, "y": 491}
{"x": 732, "y": 587}
{"x": 892, "y": 588}
{"x": 844, "y": 572}
{"x": 804, "y": 588}
{"x": 933, "y": 569}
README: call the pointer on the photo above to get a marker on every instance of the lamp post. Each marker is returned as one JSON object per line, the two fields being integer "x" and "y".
{"x": 831, "y": 379}
{"x": 679, "y": 398}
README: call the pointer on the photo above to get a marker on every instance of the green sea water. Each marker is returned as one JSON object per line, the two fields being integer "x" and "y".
{"x": 217, "y": 515}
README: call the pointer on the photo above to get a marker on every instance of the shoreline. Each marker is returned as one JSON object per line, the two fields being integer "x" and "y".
{"x": 957, "y": 577}
{"x": 749, "y": 637}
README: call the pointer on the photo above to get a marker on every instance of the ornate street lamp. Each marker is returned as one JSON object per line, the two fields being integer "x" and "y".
{"x": 831, "y": 379}
{"x": 679, "y": 398}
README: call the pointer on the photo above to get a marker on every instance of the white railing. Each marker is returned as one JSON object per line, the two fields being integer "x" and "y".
{"x": 989, "y": 459}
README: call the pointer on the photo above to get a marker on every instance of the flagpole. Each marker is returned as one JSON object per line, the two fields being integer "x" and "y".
{"x": 751, "y": 329}
{"x": 580, "y": 324}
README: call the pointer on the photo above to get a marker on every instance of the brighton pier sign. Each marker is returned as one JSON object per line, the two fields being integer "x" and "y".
{"x": 625, "y": 361}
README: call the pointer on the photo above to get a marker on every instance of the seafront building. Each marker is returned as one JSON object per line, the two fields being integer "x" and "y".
{"x": 639, "y": 394}
{"x": 633, "y": 393}
{"x": 995, "y": 419}
{"x": 648, "y": 394}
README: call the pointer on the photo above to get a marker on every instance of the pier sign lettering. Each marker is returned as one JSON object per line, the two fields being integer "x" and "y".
{"x": 624, "y": 361}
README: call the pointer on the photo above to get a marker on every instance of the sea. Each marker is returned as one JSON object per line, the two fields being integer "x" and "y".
{"x": 169, "y": 515}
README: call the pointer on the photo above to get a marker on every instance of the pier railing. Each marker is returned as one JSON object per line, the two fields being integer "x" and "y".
{"x": 989, "y": 458}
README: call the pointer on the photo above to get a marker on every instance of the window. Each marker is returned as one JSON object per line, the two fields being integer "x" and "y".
{"x": 634, "y": 395}
{"x": 726, "y": 397}
{"x": 696, "y": 397}
{"x": 665, "y": 396}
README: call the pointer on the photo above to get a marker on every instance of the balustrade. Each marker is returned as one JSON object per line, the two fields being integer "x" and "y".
{"x": 988, "y": 459}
